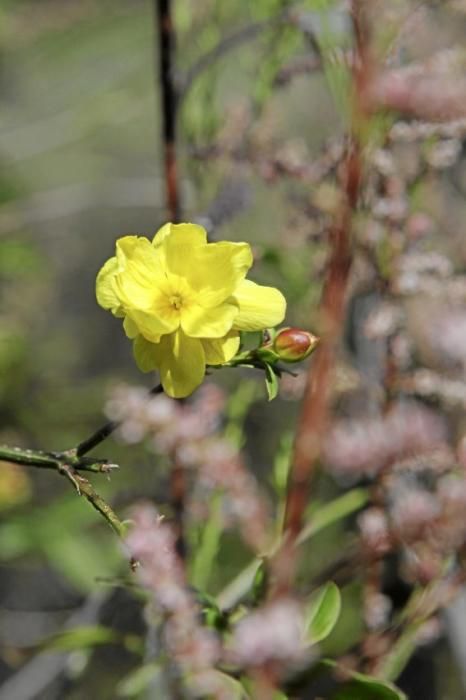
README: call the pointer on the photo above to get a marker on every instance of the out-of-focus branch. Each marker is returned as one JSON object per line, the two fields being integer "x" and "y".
{"x": 229, "y": 43}
{"x": 305, "y": 65}
{"x": 233, "y": 41}
{"x": 314, "y": 413}
{"x": 166, "y": 42}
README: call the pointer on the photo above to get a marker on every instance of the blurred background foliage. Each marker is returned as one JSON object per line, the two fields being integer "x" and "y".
{"x": 81, "y": 165}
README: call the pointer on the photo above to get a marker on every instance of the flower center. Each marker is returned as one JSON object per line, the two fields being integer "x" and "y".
{"x": 176, "y": 301}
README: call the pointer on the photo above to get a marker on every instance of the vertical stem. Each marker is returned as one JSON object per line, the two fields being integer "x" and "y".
{"x": 169, "y": 98}
{"x": 315, "y": 408}
{"x": 178, "y": 495}
{"x": 166, "y": 41}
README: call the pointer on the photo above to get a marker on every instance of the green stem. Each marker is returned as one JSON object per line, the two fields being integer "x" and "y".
{"x": 68, "y": 464}
{"x": 53, "y": 460}
{"x": 87, "y": 490}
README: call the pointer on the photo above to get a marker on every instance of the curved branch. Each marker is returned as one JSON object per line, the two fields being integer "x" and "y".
{"x": 227, "y": 44}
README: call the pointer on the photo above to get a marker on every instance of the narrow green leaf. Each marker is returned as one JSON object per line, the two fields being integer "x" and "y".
{"x": 138, "y": 681}
{"x": 363, "y": 687}
{"x": 331, "y": 512}
{"x": 369, "y": 689}
{"x": 271, "y": 382}
{"x": 80, "y": 638}
{"x": 322, "y": 612}
{"x": 400, "y": 653}
{"x": 209, "y": 545}
{"x": 281, "y": 464}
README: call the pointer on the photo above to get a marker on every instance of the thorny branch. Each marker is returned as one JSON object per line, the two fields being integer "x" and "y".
{"x": 70, "y": 463}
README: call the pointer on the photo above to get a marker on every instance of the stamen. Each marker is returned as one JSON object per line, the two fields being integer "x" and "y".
{"x": 176, "y": 301}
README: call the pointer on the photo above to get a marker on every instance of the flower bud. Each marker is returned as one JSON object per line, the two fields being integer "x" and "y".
{"x": 294, "y": 344}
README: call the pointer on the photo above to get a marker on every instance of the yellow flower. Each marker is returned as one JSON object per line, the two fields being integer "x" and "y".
{"x": 184, "y": 301}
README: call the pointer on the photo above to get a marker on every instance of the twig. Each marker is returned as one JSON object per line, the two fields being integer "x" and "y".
{"x": 52, "y": 460}
{"x": 103, "y": 432}
{"x": 86, "y": 489}
{"x": 96, "y": 438}
{"x": 166, "y": 40}
{"x": 69, "y": 466}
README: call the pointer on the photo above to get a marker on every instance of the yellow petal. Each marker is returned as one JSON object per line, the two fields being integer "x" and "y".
{"x": 181, "y": 362}
{"x": 145, "y": 354}
{"x": 151, "y": 326}
{"x": 259, "y": 307}
{"x": 141, "y": 278}
{"x": 130, "y": 327}
{"x": 105, "y": 285}
{"x": 198, "y": 322}
{"x": 176, "y": 245}
{"x": 216, "y": 270}
{"x": 220, "y": 350}
{"x": 125, "y": 248}
{"x": 196, "y": 235}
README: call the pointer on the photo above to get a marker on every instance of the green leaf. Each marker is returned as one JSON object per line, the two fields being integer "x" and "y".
{"x": 400, "y": 652}
{"x": 369, "y": 689}
{"x": 80, "y": 638}
{"x": 331, "y": 512}
{"x": 322, "y": 612}
{"x": 271, "y": 382}
{"x": 138, "y": 681}
{"x": 281, "y": 464}
{"x": 206, "y": 552}
{"x": 212, "y": 615}
{"x": 234, "y": 690}
{"x": 362, "y": 687}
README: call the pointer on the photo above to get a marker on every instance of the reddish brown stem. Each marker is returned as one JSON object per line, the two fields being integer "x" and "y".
{"x": 315, "y": 408}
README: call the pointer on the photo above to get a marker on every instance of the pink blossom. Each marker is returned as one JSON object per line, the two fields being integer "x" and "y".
{"x": 272, "y": 633}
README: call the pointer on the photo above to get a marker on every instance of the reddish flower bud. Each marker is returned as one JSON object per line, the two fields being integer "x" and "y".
{"x": 294, "y": 344}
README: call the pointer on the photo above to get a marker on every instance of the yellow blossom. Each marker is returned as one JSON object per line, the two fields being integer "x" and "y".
{"x": 183, "y": 301}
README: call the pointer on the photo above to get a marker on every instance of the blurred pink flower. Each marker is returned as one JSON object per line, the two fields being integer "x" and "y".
{"x": 272, "y": 633}
{"x": 357, "y": 447}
